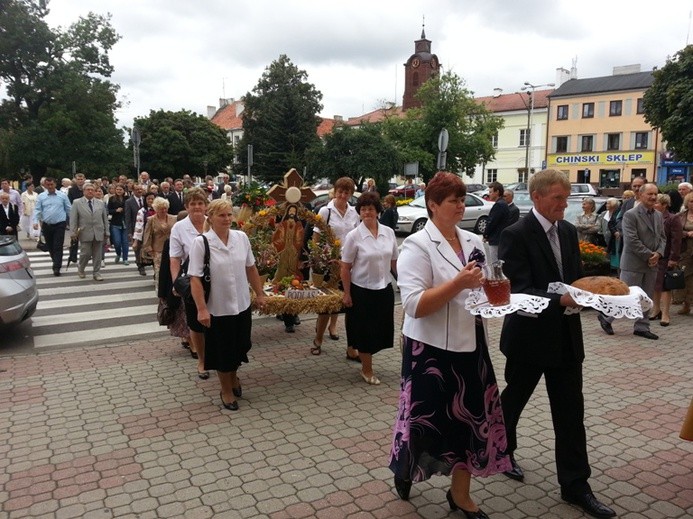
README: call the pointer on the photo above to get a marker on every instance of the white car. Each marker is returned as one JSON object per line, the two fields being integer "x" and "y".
{"x": 413, "y": 216}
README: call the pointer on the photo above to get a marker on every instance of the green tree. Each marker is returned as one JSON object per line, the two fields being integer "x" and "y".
{"x": 60, "y": 105}
{"x": 669, "y": 103}
{"x": 280, "y": 121}
{"x": 357, "y": 153}
{"x": 174, "y": 143}
{"x": 448, "y": 104}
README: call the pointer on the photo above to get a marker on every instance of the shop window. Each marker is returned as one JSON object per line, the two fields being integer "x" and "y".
{"x": 561, "y": 144}
{"x": 587, "y": 110}
{"x": 491, "y": 175}
{"x": 615, "y": 108}
{"x": 609, "y": 178}
{"x": 641, "y": 139}
{"x": 587, "y": 143}
{"x": 562, "y": 112}
{"x": 613, "y": 141}
{"x": 638, "y": 172}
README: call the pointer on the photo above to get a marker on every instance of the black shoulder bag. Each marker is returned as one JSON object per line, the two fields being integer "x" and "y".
{"x": 182, "y": 283}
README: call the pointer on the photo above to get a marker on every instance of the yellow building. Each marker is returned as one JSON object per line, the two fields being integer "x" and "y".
{"x": 597, "y": 132}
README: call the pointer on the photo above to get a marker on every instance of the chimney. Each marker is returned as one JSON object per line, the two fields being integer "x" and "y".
{"x": 338, "y": 118}
{"x": 211, "y": 110}
{"x": 626, "y": 69}
{"x": 562, "y": 75}
{"x": 573, "y": 69}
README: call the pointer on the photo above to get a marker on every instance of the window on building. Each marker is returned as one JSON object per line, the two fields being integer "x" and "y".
{"x": 587, "y": 143}
{"x": 562, "y": 112}
{"x": 494, "y": 140}
{"x": 615, "y": 108}
{"x": 491, "y": 175}
{"x": 415, "y": 79}
{"x": 613, "y": 141}
{"x": 640, "y": 106}
{"x": 641, "y": 139}
{"x": 522, "y": 175}
{"x": 587, "y": 110}
{"x": 561, "y": 144}
{"x": 525, "y": 136}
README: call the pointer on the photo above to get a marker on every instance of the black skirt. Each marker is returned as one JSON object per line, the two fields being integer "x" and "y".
{"x": 191, "y": 315}
{"x": 227, "y": 341}
{"x": 370, "y": 322}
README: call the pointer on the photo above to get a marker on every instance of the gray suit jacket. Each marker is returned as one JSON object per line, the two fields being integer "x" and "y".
{"x": 92, "y": 225}
{"x": 642, "y": 237}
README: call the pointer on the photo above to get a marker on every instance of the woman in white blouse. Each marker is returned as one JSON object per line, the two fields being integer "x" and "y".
{"x": 449, "y": 419}
{"x": 369, "y": 253}
{"x": 342, "y": 218}
{"x": 225, "y": 313}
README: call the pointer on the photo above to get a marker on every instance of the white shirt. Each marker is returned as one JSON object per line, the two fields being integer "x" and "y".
{"x": 370, "y": 256}
{"x": 230, "y": 292}
{"x": 182, "y": 235}
{"x": 341, "y": 225}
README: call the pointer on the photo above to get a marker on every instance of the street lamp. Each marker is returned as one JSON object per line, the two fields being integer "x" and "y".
{"x": 530, "y": 109}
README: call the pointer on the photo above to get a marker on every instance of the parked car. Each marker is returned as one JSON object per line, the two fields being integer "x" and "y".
{"x": 514, "y": 186}
{"x": 473, "y": 188}
{"x": 404, "y": 191}
{"x": 524, "y": 204}
{"x": 413, "y": 216}
{"x": 322, "y": 199}
{"x": 18, "y": 292}
{"x": 583, "y": 190}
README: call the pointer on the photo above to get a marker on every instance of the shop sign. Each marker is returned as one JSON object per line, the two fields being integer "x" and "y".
{"x": 604, "y": 159}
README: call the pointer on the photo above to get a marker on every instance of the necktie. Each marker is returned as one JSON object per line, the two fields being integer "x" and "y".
{"x": 139, "y": 202}
{"x": 552, "y": 234}
{"x": 91, "y": 207}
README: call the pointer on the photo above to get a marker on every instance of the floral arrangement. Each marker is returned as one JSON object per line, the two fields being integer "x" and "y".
{"x": 592, "y": 254}
{"x": 478, "y": 256}
{"x": 322, "y": 255}
{"x": 252, "y": 195}
{"x": 404, "y": 201}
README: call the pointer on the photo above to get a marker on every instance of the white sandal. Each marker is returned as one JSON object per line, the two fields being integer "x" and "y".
{"x": 372, "y": 380}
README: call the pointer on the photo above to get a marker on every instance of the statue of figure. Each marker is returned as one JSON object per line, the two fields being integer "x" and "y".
{"x": 288, "y": 240}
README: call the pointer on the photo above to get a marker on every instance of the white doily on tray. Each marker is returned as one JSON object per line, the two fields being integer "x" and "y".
{"x": 631, "y": 306}
{"x": 477, "y": 304}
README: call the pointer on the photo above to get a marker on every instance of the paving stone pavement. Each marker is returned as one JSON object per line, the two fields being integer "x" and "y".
{"x": 130, "y": 431}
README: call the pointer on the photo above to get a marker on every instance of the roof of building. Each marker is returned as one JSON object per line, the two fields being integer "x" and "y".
{"x": 226, "y": 117}
{"x": 375, "y": 116}
{"x": 514, "y": 101}
{"x": 595, "y": 85}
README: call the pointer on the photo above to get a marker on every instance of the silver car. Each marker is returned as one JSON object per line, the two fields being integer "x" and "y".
{"x": 18, "y": 293}
{"x": 413, "y": 216}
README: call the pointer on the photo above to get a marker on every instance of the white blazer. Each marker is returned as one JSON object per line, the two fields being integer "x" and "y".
{"x": 428, "y": 260}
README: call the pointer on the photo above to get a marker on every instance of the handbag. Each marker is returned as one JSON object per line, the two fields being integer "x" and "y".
{"x": 182, "y": 283}
{"x": 165, "y": 313}
{"x": 673, "y": 279}
{"x": 41, "y": 244}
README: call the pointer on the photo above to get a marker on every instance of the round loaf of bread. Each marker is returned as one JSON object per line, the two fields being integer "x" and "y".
{"x": 602, "y": 285}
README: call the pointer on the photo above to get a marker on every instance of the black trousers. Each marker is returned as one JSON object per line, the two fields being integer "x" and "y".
{"x": 54, "y": 233}
{"x": 564, "y": 388}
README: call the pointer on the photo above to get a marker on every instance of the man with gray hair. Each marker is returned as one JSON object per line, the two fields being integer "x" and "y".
{"x": 89, "y": 223}
{"x": 644, "y": 241}
{"x": 684, "y": 188}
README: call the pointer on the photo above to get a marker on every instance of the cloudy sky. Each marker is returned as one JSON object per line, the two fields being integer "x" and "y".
{"x": 183, "y": 54}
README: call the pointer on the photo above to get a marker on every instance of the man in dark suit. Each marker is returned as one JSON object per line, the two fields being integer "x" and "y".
{"x": 176, "y": 199}
{"x": 644, "y": 241}
{"x": 635, "y": 186}
{"x": 509, "y": 196}
{"x": 132, "y": 206}
{"x": 77, "y": 189}
{"x": 9, "y": 215}
{"x": 539, "y": 249}
{"x": 498, "y": 219}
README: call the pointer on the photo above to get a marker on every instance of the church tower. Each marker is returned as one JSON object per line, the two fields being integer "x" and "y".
{"x": 419, "y": 68}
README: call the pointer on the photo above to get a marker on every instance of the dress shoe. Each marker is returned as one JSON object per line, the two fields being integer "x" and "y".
{"x": 647, "y": 334}
{"x": 289, "y": 329}
{"x": 82, "y": 275}
{"x": 589, "y": 504}
{"x": 606, "y": 326}
{"x": 98, "y": 277}
{"x": 237, "y": 391}
{"x": 142, "y": 271}
{"x": 402, "y": 486}
{"x": 470, "y": 515}
{"x": 204, "y": 375}
{"x": 56, "y": 272}
{"x": 297, "y": 320}
{"x": 515, "y": 471}
{"x": 663, "y": 323}
{"x": 233, "y": 406}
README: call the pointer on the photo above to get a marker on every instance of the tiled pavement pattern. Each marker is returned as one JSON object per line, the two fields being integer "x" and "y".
{"x": 129, "y": 431}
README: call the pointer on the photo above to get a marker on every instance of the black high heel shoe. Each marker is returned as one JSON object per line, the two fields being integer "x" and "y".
{"x": 402, "y": 486}
{"x": 479, "y": 514}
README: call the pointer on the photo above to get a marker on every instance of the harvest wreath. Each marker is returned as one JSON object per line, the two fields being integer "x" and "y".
{"x": 292, "y": 294}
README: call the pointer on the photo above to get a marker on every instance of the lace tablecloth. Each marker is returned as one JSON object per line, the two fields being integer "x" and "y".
{"x": 631, "y": 306}
{"x": 477, "y": 304}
